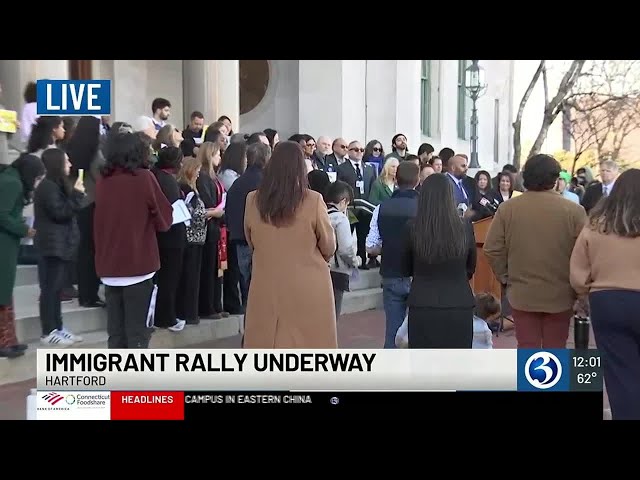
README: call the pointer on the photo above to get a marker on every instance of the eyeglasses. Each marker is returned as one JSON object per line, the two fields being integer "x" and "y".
{"x": 342, "y": 146}
{"x": 355, "y": 149}
{"x": 311, "y": 145}
{"x": 376, "y": 149}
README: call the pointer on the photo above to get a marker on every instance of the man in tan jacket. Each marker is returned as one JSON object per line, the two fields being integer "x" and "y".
{"x": 529, "y": 246}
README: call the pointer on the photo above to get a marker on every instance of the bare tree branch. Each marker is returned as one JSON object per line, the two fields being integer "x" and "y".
{"x": 517, "y": 124}
{"x": 605, "y": 107}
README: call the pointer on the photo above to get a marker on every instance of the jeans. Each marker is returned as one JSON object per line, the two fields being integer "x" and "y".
{"x": 395, "y": 293}
{"x": 52, "y": 273}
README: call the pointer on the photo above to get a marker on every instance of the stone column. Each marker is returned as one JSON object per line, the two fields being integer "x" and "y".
{"x": 332, "y": 98}
{"x": 212, "y": 87}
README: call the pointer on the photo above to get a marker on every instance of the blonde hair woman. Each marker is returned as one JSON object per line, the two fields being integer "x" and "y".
{"x": 384, "y": 186}
{"x": 214, "y": 250}
{"x": 189, "y": 285}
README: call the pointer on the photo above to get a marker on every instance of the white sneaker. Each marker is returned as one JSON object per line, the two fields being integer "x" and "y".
{"x": 70, "y": 336}
{"x": 179, "y": 326}
{"x": 54, "y": 339}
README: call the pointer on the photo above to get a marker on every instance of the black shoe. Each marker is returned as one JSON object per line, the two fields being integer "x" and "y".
{"x": 193, "y": 322}
{"x": 9, "y": 352}
{"x": 94, "y": 304}
{"x": 21, "y": 347}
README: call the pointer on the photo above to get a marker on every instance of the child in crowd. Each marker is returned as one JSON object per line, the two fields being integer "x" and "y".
{"x": 487, "y": 311}
{"x": 345, "y": 259}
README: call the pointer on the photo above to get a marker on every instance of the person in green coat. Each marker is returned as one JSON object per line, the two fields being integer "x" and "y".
{"x": 384, "y": 186}
{"x": 17, "y": 183}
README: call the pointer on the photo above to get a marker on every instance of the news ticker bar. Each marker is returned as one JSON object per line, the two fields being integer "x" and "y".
{"x": 320, "y": 370}
{"x": 198, "y": 405}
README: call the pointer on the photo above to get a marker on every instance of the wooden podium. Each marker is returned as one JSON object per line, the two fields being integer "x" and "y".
{"x": 484, "y": 280}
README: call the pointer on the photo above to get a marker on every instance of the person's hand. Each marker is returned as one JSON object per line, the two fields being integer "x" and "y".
{"x": 79, "y": 185}
{"x": 468, "y": 213}
{"x": 31, "y": 233}
{"x": 581, "y": 306}
{"x": 215, "y": 212}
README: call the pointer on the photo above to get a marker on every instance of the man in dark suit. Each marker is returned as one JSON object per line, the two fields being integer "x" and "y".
{"x": 463, "y": 193}
{"x": 360, "y": 177}
{"x": 609, "y": 171}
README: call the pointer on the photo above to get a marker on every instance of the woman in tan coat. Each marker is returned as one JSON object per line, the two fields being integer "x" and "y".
{"x": 287, "y": 226}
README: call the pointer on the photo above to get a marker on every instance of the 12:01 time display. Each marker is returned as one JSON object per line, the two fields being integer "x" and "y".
{"x": 586, "y": 362}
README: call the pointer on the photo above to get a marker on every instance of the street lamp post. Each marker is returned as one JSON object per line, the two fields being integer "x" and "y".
{"x": 476, "y": 86}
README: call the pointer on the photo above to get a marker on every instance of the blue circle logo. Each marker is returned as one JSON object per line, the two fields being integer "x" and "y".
{"x": 543, "y": 370}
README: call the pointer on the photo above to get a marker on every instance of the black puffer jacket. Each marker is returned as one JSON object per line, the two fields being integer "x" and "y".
{"x": 56, "y": 226}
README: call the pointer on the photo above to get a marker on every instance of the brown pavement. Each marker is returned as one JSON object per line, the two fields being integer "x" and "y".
{"x": 357, "y": 330}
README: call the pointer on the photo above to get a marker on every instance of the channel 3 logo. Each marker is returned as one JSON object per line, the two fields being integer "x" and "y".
{"x": 543, "y": 370}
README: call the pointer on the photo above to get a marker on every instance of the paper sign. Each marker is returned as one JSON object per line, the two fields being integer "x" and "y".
{"x": 8, "y": 121}
{"x": 180, "y": 213}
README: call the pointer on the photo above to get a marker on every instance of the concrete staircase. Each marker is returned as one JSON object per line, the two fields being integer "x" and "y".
{"x": 91, "y": 323}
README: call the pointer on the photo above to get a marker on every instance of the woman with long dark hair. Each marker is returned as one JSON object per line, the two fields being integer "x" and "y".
{"x": 17, "y": 183}
{"x": 86, "y": 156}
{"x": 287, "y": 226}
{"x": 130, "y": 210}
{"x": 210, "y": 192}
{"x": 171, "y": 243}
{"x": 56, "y": 203}
{"x": 440, "y": 255}
{"x": 46, "y": 132}
{"x": 605, "y": 265}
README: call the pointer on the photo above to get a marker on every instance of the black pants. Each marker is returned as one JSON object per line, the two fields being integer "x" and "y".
{"x": 189, "y": 284}
{"x": 167, "y": 280}
{"x": 210, "y": 296}
{"x": 616, "y": 327}
{"x": 127, "y": 311}
{"x": 231, "y": 283}
{"x": 440, "y": 327}
{"x": 52, "y": 273}
{"x": 362, "y": 230}
{"x": 88, "y": 281}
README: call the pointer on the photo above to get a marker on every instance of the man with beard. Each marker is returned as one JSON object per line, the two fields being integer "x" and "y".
{"x": 398, "y": 147}
{"x": 161, "y": 108}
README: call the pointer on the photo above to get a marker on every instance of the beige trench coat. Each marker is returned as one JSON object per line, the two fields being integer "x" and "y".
{"x": 290, "y": 302}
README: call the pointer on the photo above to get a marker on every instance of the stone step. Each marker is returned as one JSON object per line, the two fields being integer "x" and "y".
{"x": 28, "y": 275}
{"x": 91, "y": 324}
{"x": 81, "y": 320}
{"x": 24, "y": 367}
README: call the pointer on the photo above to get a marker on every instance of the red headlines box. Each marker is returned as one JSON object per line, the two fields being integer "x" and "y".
{"x": 147, "y": 405}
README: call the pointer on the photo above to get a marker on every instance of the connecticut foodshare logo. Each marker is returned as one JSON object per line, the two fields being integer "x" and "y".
{"x": 65, "y": 401}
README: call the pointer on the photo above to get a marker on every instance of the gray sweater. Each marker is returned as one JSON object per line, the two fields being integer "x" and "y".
{"x": 345, "y": 259}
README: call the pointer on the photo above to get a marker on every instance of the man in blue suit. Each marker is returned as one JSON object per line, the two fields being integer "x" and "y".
{"x": 456, "y": 172}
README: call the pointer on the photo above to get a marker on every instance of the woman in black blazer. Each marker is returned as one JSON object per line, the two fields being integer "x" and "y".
{"x": 440, "y": 255}
{"x": 171, "y": 244}
{"x": 56, "y": 204}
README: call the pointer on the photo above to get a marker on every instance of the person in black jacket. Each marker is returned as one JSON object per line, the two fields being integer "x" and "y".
{"x": 171, "y": 243}
{"x": 196, "y": 233}
{"x": 440, "y": 255}
{"x": 257, "y": 157}
{"x": 56, "y": 204}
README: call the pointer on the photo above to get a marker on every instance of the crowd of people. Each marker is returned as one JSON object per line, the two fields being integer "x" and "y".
{"x": 182, "y": 225}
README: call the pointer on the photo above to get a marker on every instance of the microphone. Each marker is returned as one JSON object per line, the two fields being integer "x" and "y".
{"x": 489, "y": 205}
